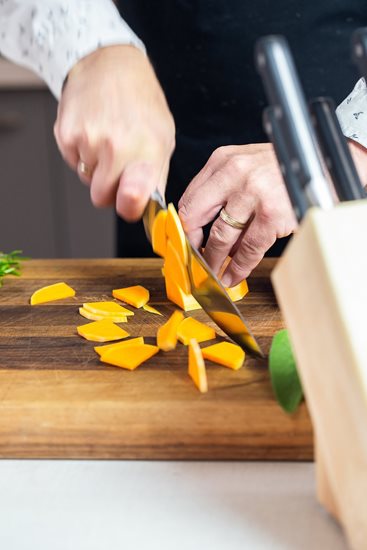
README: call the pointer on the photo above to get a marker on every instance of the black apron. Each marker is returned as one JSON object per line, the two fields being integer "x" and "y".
{"x": 202, "y": 51}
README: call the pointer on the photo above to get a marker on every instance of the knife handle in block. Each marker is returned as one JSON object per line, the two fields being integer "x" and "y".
{"x": 274, "y": 132}
{"x": 320, "y": 284}
{"x": 359, "y": 50}
{"x": 335, "y": 150}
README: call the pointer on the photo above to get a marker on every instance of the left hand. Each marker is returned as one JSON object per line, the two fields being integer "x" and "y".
{"x": 246, "y": 181}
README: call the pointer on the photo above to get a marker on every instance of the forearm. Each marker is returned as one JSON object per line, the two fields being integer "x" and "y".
{"x": 51, "y": 36}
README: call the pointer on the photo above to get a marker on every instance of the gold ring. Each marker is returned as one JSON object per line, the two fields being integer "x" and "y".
{"x": 231, "y": 221}
{"x": 84, "y": 168}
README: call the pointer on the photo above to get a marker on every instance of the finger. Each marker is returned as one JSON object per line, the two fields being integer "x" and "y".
{"x": 67, "y": 146}
{"x": 112, "y": 158}
{"x": 87, "y": 162}
{"x": 255, "y": 242}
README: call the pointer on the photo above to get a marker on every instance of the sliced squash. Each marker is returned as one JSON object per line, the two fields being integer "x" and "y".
{"x": 174, "y": 293}
{"x": 99, "y": 317}
{"x": 175, "y": 268}
{"x": 107, "y": 308}
{"x": 151, "y": 309}
{"x": 197, "y": 366}
{"x": 129, "y": 357}
{"x": 231, "y": 320}
{"x": 167, "y": 333}
{"x": 192, "y": 328}
{"x": 58, "y": 291}
{"x": 176, "y": 234}
{"x": 132, "y": 342}
{"x": 238, "y": 292}
{"x": 159, "y": 234}
{"x": 199, "y": 274}
{"x": 137, "y": 296}
{"x": 226, "y": 354}
{"x": 102, "y": 331}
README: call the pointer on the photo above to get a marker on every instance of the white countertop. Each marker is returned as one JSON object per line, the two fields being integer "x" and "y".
{"x": 102, "y": 505}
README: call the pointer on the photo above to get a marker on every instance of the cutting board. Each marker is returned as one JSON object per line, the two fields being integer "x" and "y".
{"x": 58, "y": 401}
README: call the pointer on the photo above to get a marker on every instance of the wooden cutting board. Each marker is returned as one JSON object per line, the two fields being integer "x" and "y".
{"x": 57, "y": 399}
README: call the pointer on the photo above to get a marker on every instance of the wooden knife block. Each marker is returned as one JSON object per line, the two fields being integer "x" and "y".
{"x": 321, "y": 287}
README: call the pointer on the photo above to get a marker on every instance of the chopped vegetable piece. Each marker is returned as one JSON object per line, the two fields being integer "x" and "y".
{"x": 151, "y": 309}
{"x": 176, "y": 234}
{"x": 238, "y": 292}
{"x": 226, "y": 354}
{"x": 99, "y": 317}
{"x": 131, "y": 357}
{"x": 132, "y": 342}
{"x": 159, "y": 234}
{"x": 283, "y": 373}
{"x": 175, "y": 269}
{"x": 167, "y": 333}
{"x": 192, "y": 328}
{"x": 58, "y": 291}
{"x": 174, "y": 293}
{"x": 136, "y": 296}
{"x": 198, "y": 272}
{"x": 107, "y": 308}
{"x": 197, "y": 366}
{"x": 231, "y": 320}
{"x": 10, "y": 264}
{"x": 102, "y": 331}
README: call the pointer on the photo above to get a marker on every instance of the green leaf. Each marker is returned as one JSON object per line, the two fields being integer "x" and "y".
{"x": 283, "y": 373}
{"x": 10, "y": 264}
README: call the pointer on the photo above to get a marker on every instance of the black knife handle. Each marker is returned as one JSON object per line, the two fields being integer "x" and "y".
{"x": 276, "y": 67}
{"x": 335, "y": 150}
{"x": 359, "y": 50}
{"x": 274, "y": 132}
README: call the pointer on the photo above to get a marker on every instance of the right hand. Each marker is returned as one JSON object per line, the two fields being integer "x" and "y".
{"x": 114, "y": 117}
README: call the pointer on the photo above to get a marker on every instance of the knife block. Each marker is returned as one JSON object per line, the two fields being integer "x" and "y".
{"x": 321, "y": 287}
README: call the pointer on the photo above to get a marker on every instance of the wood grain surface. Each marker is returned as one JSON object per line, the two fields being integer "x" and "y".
{"x": 58, "y": 401}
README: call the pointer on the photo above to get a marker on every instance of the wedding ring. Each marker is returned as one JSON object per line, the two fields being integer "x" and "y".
{"x": 84, "y": 169}
{"x": 231, "y": 221}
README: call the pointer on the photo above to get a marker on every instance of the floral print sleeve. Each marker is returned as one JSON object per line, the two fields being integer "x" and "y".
{"x": 50, "y": 36}
{"x": 352, "y": 114}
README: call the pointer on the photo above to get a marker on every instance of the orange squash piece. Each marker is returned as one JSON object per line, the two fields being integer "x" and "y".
{"x": 107, "y": 309}
{"x": 102, "y": 331}
{"x": 199, "y": 274}
{"x": 174, "y": 293}
{"x": 151, "y": 309}
{"x": 129, "y": 357}
{"x": 58, "y": 291}
{"x": 226, "y": 354}
{"x": 136, "y": 296}
{"x": 98, "y": 317}
{"x": 167, "y": 333}
{"x": 192, "y": 328}
{"x": 175, "y": 268}
{"x": 238, "y": 292}
{"x": 197, "y": 366}
{"x": 176, "y": 234}
{"x": 159, "y": 234}
{"x": 118, "y": 345}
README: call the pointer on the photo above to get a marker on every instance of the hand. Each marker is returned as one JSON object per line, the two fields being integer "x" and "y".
{"x": 113, "y": 117}
{"x": 246, "y": 180}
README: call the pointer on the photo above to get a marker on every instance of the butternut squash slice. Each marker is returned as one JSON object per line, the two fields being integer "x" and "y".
{"x": 167, "y": 333}
{"x": 136, "y": 296}
{"x": 118, "y": 345}
{"x": 226, "y": 354}
{"x": 151, "y": 309}
{"x": 159, "y": 234}
{"x": 197, "y": 366}
{"x": 176, "y": 234}
{"x": 238, "y": 292}
{"x": 174, "y": 293}
{"x": 102, "y": 331}
{"x": 192, "y": 328}
{"x": 129, "y": 357}
{"x": 58, "y": 291}
{"x": 107, "y": 309}
{"x": 98, "y": 317}
{"x": 199, "y": 274}
{"x": 175, "y": 268}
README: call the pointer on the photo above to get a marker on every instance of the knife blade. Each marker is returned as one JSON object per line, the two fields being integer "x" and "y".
{"x": 209, "y": 292}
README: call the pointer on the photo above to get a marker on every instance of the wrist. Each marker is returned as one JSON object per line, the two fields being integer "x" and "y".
{"x": 359, "y": 154}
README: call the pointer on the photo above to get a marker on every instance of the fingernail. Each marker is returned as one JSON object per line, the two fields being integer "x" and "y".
{"x": 226, "y": 280}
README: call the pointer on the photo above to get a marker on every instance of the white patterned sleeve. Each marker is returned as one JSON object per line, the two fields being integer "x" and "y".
{"x": 50, "y": 36}
{"x": 352, "y": 114}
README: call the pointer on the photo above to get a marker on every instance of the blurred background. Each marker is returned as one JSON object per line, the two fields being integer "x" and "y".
{"x": 44, "y": 209}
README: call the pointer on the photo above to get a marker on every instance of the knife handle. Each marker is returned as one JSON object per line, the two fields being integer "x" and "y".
{"x": 276, "y": 67}
{"x": 275, "y": 134}
{"x": 359, "y": 50}
{"x": 335, "y": 150}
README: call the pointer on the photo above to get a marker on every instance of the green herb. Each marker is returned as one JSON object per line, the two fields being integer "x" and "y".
{"x": 10, "y": 264}
{"x": 283, "y": 373}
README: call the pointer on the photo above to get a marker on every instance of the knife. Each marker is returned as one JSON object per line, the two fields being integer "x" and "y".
{"x": 275, "y": 64}
{"x": 335, "y": 150}
{"x": 210, "y": 293}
